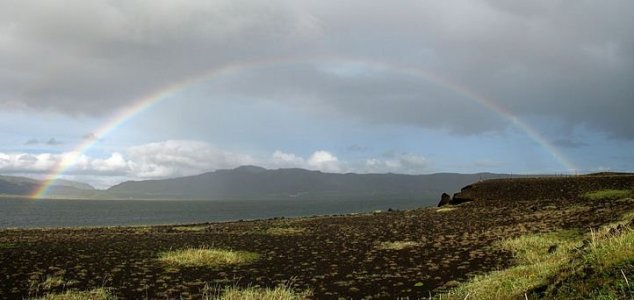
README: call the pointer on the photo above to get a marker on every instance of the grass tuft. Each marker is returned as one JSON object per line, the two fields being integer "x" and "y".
{"x": 52, "y": 281}
{"x": 204, "y": 257}
{"x": 95, "y": 294}
{"x": 398, "y": 245}
{"x": 608, "y": 194}
{"x": 279, "y": 293}
{"x": 190, "y": 228}
{"x": 611, "y": 246}
{"x": 286, "y": 231}
{"x": 446, "y": 209}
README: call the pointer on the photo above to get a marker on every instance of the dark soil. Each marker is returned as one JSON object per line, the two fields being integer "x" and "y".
{"x": 336, "y": 256}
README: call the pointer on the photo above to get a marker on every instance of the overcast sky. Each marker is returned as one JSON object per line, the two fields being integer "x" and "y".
{"x": 340, "y": 86}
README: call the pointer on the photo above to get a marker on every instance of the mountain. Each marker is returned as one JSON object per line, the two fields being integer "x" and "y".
{"x": 24, "y": 186}
{"x": 256, "y": 183}
{"x": 74, "y": 184}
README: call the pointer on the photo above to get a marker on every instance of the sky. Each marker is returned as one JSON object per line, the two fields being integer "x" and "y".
{"x": 107, "y": 91}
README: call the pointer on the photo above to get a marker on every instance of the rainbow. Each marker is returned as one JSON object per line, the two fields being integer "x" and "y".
{"x": 141, "y": 104}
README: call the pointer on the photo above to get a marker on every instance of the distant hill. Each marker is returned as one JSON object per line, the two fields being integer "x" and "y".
{"x": 24, "y": 186}
{"x": 74, "y": 184}
{"x": 256, "y": 183}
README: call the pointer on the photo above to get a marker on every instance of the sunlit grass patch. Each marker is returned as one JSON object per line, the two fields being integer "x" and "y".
{"x": 611, "y": 246}
{"x": 608, "y": 258}
{"x": 141, "y": 229}
{"x": 608, "y": 194}
{"x": 446, "y": 209}
{"x": 52, "y": 281}
{"x": 282, "y": 292}
{"x": 95, "y": 294}
{"x": 561, "y": 255}
{"x": 538, "y": 258}
{"x": 190, "y": 228}
{"x": 286, "y": 231}
{"x": 204, "y": 257}
{"x": 398, "y": 245}
{"x": 628, "y": 216}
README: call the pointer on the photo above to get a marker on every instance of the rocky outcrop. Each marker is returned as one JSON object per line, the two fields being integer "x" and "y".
{"x": 457, "y": 198}
{"x": 444, "y": 199}
{"x": 544, "y": 188}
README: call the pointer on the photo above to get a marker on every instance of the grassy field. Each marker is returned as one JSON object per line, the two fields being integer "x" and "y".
{"x": 205, "y": 257}
{"x": 608, "y": 194}
{"x": 534, "y": 238}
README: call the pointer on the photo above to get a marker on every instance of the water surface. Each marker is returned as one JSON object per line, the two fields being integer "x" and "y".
{"x": 24, "y": 213}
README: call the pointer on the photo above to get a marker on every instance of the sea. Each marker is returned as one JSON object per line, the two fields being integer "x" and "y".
{"x": 54, "y": 213}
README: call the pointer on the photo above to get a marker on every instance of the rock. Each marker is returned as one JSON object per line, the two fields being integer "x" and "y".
{"x": 444, "y": 199}
{"x": 458, "y": 199}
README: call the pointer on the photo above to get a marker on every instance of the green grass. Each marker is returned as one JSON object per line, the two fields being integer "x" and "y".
{"x": 95, "y": 294}
{"x": 205, "y": 257}
{"x": 607, "y": 250}
{"x": 608, "y": 194}
{"x": 562, "y": 270}
{"x": 601, "y": 271}
{"x": 52, "y": 281}
{"x": 190, "y": 228}
{"x": 282, "y": 292}
{"x": 7, "y": 246}
{"x": 398, "y": 245}
{"x": 534, "y": 265}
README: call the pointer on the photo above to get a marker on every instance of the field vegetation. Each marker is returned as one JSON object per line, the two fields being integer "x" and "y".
{"x": 94, "y": 294}
{"x": 550, "y": 266}
{"x": 281, "y": 292}
{"x": 286, "y": 231}
{"x": 398, "y": 245}
{"x": 609, "y": 194}
{"x": 206, "y": 257}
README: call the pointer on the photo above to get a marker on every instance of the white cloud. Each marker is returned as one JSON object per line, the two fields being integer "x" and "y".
{"x": 27, "y": 163}
{"x": 287, "y": 160}
{"x": 402, "y": 163}
{"x": 181, "y": 158}
{"x": 324, "y": 161}
{"x": 115, "y": 163}
{"x": 319, "y": 160}
{"x": 154, "y": 160}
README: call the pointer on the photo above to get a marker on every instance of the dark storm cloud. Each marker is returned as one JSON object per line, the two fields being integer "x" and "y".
{"x": 49, "y": 142}
{"x": 569, "y": 60}
{"x": 53, "y": 142}
{"x": 32, "y": 142}
{"x": 375, "y": 95}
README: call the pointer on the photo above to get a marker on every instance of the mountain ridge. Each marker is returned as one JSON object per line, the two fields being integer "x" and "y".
{"x": 257, "y": 183}
{"x": 24, "y": 186}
